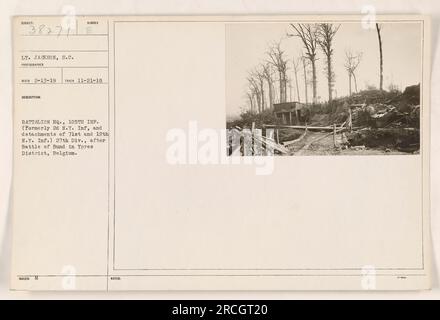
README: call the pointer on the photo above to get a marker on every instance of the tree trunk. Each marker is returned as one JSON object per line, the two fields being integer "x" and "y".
{"x": 270, "y": 94}
{"x": 258, "y": 97}
{"x": 355, "y": 83}
{"x": 297, "y": 86}
{"x": 290, "y": 90}
{"x": 329, "y": 78}
{"x": 314, "y": 80}
{"x": 305, "y": 81}
{"x": 381, "y": 57}
{"x": 251, "y": 102}
{"x": 262, "y": 96}
{"x": 349, "y": 83}
{"x": 282, "y": 88}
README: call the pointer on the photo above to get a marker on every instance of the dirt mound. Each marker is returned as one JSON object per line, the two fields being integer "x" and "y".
{"x": 380, "y": 109}
{"x": 406, "y": 101}
{"x": 372, "y": 96}
{"x": 402, "y": 139}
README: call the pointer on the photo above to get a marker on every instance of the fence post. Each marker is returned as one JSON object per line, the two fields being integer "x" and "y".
{"x": 350, "y": 119}
{"x": 334, "y": 135}
{"x": 253, "y": 138}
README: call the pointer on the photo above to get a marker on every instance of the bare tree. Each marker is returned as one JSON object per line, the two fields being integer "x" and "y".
{"x": 255, "y": 89}
{"x": 352, "y": 61}
{"x": 276, "y": 58}
{"x": 259, "y": 76}
{"x": 378, "y": 28}
{"x": 326, "y": 33}
{"x": 296, "y": 65}
{"x": 268, "y": 75}
{"x": 250, "y": 97}
{"x": 309, "y": 37}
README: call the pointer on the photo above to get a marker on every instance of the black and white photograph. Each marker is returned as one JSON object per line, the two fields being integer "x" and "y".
{"x": 330, "y": 88}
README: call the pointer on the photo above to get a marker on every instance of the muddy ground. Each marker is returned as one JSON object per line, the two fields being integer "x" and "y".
{"x": 322, "y": 143}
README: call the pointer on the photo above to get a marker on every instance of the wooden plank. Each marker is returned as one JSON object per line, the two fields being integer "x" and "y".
{"x": 328, "y": 128}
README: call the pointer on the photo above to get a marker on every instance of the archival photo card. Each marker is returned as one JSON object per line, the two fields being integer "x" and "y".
{"x": 270, "y": 152}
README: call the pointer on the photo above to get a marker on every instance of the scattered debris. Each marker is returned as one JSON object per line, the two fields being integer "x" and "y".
{"x": 402, "y": 139}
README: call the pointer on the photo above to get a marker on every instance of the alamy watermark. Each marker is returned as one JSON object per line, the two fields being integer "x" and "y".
{"x": 208, "y": 146}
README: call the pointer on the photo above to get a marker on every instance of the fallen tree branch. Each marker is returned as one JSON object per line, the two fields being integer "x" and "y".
{"x": 326, "y": 128}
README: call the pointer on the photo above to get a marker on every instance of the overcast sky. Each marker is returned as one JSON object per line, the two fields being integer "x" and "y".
{"x": 247, "y": 43}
